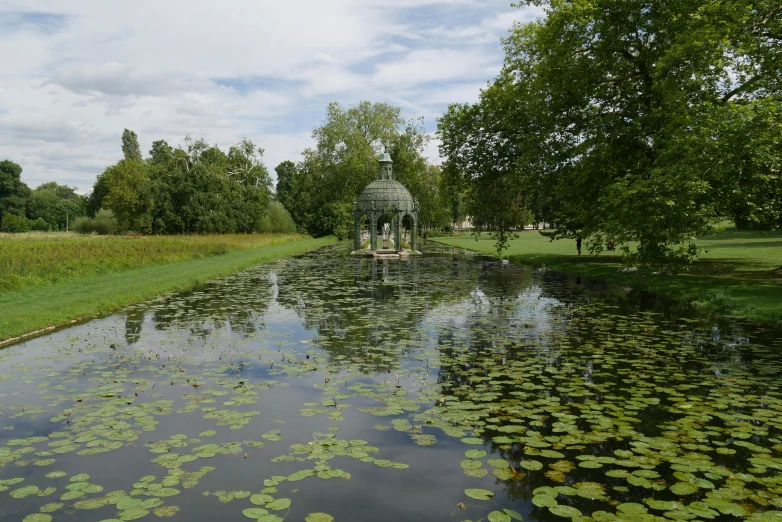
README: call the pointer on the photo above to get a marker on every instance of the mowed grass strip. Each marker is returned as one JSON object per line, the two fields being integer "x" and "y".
{"x": 739, "y": 275}
{"x": 34, "y": 259}
{"x": 34, "y": 308}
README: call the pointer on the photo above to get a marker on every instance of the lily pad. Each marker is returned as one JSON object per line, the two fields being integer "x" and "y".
{"x": 318, "y": 517}
{"x": 478, "y": 494}
{"x": 279, "y": 504}
{"x": 498, "y": 516}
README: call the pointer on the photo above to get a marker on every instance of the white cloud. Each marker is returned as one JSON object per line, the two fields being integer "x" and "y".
{"x": 77, "y": 72}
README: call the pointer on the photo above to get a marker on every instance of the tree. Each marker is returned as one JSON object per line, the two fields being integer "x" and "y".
{"x": 128, "y": 196}
{"x": 130, "y": 147}
{"x": 603, "y": 112}
{"x": 344, "y": 161}
{"x": 55, "y": 204}
{"x": 286, "y": 172}
{"x": 14, "y": 193}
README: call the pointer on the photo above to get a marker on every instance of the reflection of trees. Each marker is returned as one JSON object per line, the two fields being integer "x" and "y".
{"x": 365, "y": 309}
{"x": 237, "y": 303}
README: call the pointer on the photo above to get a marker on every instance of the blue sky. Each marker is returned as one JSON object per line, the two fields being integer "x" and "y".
{"x": 77, "y": 72}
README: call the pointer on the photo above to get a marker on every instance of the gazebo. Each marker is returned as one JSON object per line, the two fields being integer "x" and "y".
{"x": 385, "y": 197}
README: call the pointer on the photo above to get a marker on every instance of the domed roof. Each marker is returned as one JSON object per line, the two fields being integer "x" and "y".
{"x": 387, "y": 194}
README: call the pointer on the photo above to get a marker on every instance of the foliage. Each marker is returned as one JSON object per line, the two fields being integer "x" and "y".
{"x": 130, "y": 147}
{"x": 14, "y": 223}
{"x": 56, "y": 204}
{"x": 128, "y": 195}
{"x": 39, "y": 225}
{"x": 13, "y": 191}
{"x": 286, "y": 173}
{"x": 83, "y": 225}
{"x": 331, "y": 175}
{"x": 205, "y": 190}
{"x": 628, "y": 121}
{"x": 104, "y": 223}
{"x": 198, "y": 189}
{"x": 277, "y": 220}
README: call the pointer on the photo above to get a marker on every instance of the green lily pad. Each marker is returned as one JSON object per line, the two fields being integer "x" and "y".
{"x": 259, "y": 499}
{"x": 498, "y": 463}
{"x": 478, "y": 494}
{"x": 498, "y": 516}
{"x": 475, "y": 454}
{"x": 278, "y": 504}
{"x": 544, "y": 501}
{"x": 318, "y": 517}
{"x": 128, "y": 503}
{"x": 38, "y": 517}
{"x": 254, "y": 513}
{"x": 565, "y": 511}
{"x": 166, "y": 511}
{"x": 683, "y": 488}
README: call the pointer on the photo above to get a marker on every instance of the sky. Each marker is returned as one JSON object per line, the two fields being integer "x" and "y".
{"x": 75, "y": 73}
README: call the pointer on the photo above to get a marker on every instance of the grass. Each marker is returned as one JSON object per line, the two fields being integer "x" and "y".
{"x": 100, "y": 288}
{"x": 29, "y": 260}
{"x": 739, "y": 275}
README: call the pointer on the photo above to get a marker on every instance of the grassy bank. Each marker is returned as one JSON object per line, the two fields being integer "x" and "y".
{"x": 57, "y": 303}
{"x": 739, "y": 275}
{"x": 34, "y": 259}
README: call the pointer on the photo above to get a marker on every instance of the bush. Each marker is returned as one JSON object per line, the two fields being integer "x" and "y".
{"x": 39, "y": 224}
{"x": 104, "y": 223}
{"x": 82, "y": 225}
{"x": 276, "y": 221}
{"x": 14, "y": 223}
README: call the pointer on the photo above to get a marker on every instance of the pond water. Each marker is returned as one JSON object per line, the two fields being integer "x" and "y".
{"x": 447, "y": 387}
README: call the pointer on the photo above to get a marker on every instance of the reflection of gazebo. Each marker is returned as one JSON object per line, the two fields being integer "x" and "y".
{"x": 385, "y": 197}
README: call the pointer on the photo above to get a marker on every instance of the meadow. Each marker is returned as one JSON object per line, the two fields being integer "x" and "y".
{"x": 739, "y": 273}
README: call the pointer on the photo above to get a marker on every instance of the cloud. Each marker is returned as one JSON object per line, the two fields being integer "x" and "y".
{"x": 77, "y": 72}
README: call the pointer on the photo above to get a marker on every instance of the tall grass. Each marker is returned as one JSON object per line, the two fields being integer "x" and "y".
{"x": 28, "y": 260}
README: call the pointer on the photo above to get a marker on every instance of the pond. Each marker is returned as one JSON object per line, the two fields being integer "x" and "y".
{"x": 448, "y": 387}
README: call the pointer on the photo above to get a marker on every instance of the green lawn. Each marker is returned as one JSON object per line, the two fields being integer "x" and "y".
{"x": 50, "y": 304}
{"x": 739, "y": 275}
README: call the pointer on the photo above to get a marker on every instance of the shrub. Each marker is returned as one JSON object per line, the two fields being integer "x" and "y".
{"x": 39, "y": 224}
{"x": 14, "y": 223}
{"x": 276, "y": 221}
{"x": 82, "y": 225}
{"x": 104, "y": 223}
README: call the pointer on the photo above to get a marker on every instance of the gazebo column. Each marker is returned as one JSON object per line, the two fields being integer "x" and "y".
{"x": 414, "y": 238}
{"x": 398, "y": 231}
{"x": 356, "y": 231}
{"x": 373, "y": 231}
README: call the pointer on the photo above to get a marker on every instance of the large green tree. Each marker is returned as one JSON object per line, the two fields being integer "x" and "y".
{"x": 14, "y": 193}
{"x": 620, "y": 118}
{"x": 344, "y": 161}
{"x": 286, "y": 172}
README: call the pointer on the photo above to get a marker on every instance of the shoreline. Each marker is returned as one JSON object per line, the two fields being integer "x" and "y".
{"x": 734, "y": 299}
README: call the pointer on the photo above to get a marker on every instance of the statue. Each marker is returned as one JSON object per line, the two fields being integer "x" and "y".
{"x": 386, "y": 234}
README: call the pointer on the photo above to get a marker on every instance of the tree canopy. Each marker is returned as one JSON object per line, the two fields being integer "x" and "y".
{"x": 634, "y": 121}
{"x": 321, "y": 190}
